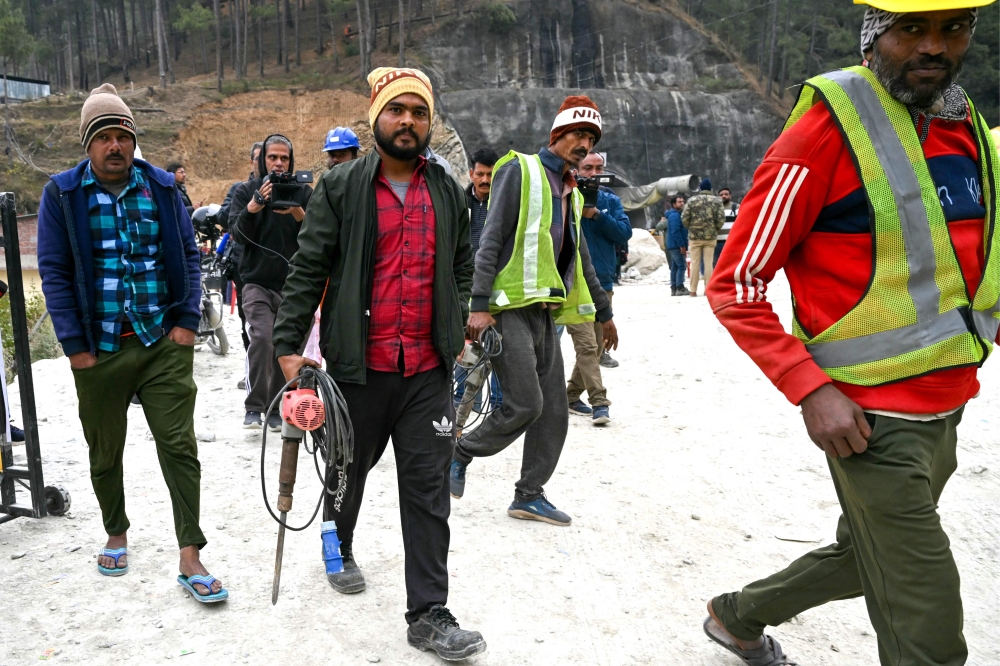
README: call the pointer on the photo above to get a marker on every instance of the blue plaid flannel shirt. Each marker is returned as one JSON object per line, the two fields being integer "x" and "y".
{"x": 130, "y": 282}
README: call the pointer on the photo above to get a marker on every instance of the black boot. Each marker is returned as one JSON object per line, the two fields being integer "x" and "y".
{"x": 350, "y": 580}
{"x": 438, "y": 630}
{"x": 673, "y": 291}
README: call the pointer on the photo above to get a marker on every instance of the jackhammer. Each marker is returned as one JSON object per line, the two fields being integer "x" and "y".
{"x": 474, "y": 364}
{"x": 306, "y": 410}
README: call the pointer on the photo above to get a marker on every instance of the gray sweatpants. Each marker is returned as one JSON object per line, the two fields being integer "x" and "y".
{"x": 533, "y": 381}
{"x": 264, "y": 376}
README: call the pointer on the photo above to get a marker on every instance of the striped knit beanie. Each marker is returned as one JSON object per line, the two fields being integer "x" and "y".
{"x": 576, "y": 112}
{"x": 389, "y": 83}
{"x": 878, "y": 21}
{"x": 103, "y": 109}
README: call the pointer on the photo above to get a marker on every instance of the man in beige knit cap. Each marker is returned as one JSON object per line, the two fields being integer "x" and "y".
{"x": 389, "y": 233}
{"x": 120, "y": 274}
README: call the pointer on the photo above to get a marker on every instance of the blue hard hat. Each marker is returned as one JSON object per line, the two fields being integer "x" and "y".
{"x": 340, "y": 138}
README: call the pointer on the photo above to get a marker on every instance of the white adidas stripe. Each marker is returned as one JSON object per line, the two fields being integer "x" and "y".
{"x": 737, "y": 275}
{"x": 786, "y": 209}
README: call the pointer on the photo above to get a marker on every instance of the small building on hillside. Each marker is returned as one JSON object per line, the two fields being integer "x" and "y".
{"x": 24, "y": 90}
{"x": 27, "y": 236}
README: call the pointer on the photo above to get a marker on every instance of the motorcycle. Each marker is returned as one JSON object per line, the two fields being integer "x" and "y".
{"x": 208, "y": 233}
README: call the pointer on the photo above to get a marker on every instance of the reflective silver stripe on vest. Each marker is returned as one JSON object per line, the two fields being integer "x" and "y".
{"x": 886, "y": 344}
{"x": 532, "y": 224}
{"x": 931, "y": 327}
{"x": 986, "y": 324}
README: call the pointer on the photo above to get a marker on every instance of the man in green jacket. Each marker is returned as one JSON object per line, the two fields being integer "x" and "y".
{"x": 386, "y": 237}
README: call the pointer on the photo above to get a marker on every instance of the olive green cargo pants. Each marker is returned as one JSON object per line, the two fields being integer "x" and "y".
{"x": 890, "y": 547}
{"x": 161, "y": 376}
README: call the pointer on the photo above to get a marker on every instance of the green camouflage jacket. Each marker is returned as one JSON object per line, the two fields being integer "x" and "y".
{"x": 703, "y": 216}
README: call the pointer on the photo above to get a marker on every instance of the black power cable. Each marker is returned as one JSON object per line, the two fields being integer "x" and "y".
{"x": 490, "y": 344}
{"x": 333, "y": 442}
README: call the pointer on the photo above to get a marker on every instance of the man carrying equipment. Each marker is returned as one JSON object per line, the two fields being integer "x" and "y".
{"x": 879, "y": 202}
{"x": 533, "y": 273}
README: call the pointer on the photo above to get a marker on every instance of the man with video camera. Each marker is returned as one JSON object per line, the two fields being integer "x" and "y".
{"x": 271, "y": 208}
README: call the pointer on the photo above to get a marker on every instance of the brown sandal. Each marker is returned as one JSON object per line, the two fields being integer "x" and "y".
{"x": 769, "y": 654}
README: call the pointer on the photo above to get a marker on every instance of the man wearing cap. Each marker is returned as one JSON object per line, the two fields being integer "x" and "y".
{"x": 533, "y": 273}
{"x": 879, "y": 203}
{"x": 119, "y": 268}
{"x": 703, "y": 218}
{"x": 386, "y": 239}
{"x": 341, "y": 145}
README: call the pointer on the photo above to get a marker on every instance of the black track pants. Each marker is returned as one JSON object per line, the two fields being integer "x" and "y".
{"x": 418, "y": 414}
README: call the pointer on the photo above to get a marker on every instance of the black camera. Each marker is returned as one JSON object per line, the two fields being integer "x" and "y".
{"x": 590, "y": 186}
{"x": 286, "y": 188}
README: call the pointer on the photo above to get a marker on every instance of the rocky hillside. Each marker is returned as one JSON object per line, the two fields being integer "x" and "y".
{"x": 673, "y": 99}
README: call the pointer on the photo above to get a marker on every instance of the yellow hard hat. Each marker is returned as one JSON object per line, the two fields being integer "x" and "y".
{"x": 905, "y": 6}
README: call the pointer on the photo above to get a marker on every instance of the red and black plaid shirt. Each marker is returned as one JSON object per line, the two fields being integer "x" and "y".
{"x": 403, "y": 291}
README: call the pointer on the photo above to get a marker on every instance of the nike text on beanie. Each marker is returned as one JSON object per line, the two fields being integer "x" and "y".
{"x": 389, "y": 83}
{"x": 103, "y": 109}
{"x": 576, "y": 112}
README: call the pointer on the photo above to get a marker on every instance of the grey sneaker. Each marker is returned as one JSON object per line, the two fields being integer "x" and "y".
{"x": 438, "y": 630}
{"x": 350, "y": 580}
{"x": 252, "y": 421}
{"x": 607, "y": 361}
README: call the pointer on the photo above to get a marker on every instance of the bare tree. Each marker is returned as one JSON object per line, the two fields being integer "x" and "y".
{"x": 283, "y": 19}
{"x": 362, "y": 44}
{"x": 402, "y": 34}
{"x": 218, "y": 46}
{"x": 97, "y": 44}
{"x": 123, "y": 35}
{"x": 161, "y": 52}
{"x": 298, "y": 40}
{"x": 774, "y": 46}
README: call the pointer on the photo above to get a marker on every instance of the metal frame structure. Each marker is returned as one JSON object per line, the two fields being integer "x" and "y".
{"x": 29, "y": 475}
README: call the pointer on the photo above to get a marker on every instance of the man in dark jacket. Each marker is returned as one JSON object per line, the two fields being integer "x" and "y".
{"x": 119, "y": 269}
{"x": 268, "y": 236}
{"x": 676, "y": 244}
{"x": 237, "y": 251}
{"x": 386, "y": 238}
{"x": 180, "y": 180}
{"x": 478, "y": 192}
{"x": 531, "y": 272}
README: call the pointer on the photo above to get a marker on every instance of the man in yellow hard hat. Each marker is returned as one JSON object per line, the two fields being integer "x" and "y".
{"x": 879, "y": 202}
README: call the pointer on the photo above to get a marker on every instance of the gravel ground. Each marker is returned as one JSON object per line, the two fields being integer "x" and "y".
{"x": 705, "y": 480}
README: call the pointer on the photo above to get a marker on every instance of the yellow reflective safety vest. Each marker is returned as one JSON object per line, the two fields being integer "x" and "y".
{"x": 531, "y": 275}
{"x": 917, "y": 315}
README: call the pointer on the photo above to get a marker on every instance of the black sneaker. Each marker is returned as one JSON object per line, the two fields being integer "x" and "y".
{"x": 438, "y": 630}
{"x": 16, "y": 434}
{"x": 350, "y": 580}
{"x": 252, "y": 421}
{"x": 274, "y": 422}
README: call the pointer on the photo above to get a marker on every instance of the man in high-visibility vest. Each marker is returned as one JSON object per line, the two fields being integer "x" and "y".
{"x": 879, "y": 202}
{"x": 533, "y": 273}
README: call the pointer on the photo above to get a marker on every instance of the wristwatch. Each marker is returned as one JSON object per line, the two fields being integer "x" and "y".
{"x": 258, "y": 198}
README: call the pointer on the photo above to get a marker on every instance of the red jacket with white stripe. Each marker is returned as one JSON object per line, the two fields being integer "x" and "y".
{"x": 807, "y": 213}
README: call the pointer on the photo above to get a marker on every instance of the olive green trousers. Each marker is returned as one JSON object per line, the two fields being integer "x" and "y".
{"x": 161, "y": 375}
{"x": 890, "y": 548}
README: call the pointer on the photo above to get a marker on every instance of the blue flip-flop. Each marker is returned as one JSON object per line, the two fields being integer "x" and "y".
{"x": 117, "y": 554}
{"x": 188, "y": 583}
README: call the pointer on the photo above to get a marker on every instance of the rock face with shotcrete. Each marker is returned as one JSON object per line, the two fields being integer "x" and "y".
{"x": 672, "y": 100}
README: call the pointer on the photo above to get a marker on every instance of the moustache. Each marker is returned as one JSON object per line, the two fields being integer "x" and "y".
{"x": 925, "y": 61}
{"x": 406, "y": 132}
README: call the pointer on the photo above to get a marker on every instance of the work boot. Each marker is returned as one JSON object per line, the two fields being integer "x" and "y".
{"x": 540, "y": 509}
{"x": 438, "y": 630}
{"x": 683, "y": 291}
{"x": 456, "y": 477}
{"x": 252, "y": 421}
{"x": 350, "y": 580}
{"x": 673, "y": 291}
{"x": 607, "y": 361}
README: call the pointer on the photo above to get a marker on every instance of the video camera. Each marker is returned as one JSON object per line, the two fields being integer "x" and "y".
{"x": 590, "y": 186}
{"x": 286, "y": 188}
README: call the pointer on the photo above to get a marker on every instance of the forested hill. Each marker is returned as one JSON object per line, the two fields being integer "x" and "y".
{"x": 795, "y": 39}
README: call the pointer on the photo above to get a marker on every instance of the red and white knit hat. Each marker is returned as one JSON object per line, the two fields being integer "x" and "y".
{"x": 576, "y": 112}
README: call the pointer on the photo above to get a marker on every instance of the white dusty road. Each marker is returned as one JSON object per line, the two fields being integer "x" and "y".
{"x": 704, "y": 481}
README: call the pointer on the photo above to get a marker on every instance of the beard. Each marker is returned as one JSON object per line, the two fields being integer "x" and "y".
{"x": 389, "y": 147}
{"x": 893, "y": 76}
